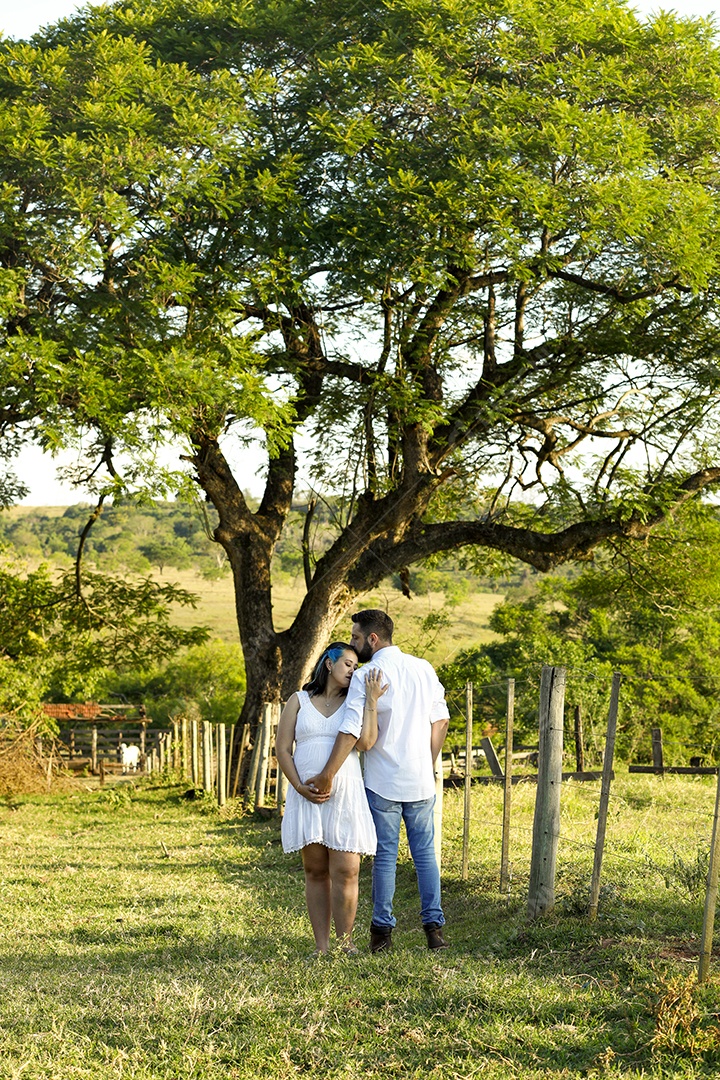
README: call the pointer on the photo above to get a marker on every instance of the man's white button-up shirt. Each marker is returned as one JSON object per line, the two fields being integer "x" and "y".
{"x": 399, "y": 766}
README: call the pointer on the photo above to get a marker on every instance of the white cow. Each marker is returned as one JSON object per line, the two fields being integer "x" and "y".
{"x": 130, "y": 756}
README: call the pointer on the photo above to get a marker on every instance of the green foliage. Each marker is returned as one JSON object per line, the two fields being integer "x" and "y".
{"x": 204, "y": 682}
{"x": 58, "y": 642}
{"x": 651, "y": 612}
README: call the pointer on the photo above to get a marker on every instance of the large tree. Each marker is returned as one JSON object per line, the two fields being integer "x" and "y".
{"x": 465, "y": 252}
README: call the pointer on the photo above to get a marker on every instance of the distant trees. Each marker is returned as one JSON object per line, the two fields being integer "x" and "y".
{"x": 126, "y": 537}
{"x": 469, "y": 254}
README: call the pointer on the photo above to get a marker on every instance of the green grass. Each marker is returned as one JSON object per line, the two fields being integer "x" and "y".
{"x": 121, "y": 962}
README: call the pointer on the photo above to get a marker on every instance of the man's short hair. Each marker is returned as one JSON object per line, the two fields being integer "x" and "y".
{"x": 374, "y": 621}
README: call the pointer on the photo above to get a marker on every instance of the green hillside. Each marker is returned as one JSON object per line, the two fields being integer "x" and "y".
{"x": 449, "y": 609}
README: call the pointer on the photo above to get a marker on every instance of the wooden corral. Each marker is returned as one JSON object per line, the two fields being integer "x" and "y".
{"x": 91, "y": 735}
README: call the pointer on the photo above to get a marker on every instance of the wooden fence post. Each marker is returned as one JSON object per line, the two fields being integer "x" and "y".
{"x": 468, "y": 779}
{"x": 222, "y": 762}
{"x": 195, "y": 753}
{"x": 438, "y": 811}
{"x": 251, "y": 781}
{"x": 711, "y": 894}
{"x": 264, "y": 739}
{"x": 93, "y": 750}
{"x": 242, "y": 747}
{"x": 604, "y": 794}
{"x": 546, "y": 822}
{"x": 657, "y": 749}
{"x": 507, "y": 788}
{"x": 231, "y": 747}
{"x": 176, "y": 746}
{"x": 280, "y": 778}
{"x": 207, "y": 756}
{"x": 185, "y": 748}
{"x": 579, "y": 748}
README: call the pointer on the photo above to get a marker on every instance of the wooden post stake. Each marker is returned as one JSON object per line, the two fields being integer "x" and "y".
{"x": 604, "y": 794}
{"x": 207, "y": 756}
{"x": 546, "y": 823}
{"x": 222, "y": 763}
{"x": 194, "y": 753}
{"x": 187, "y": 773}
{"x": 280, "y": 778}
{"x": 93, "y": 750}
{"x": 264, "y": 738}
{"x": 579, "y": 748}
{"x": 468, "y": 779}
{"x": 711, "y": 894}
{"x": 507, "y": 789}
{"x": 176, "y": 746}
{"x": 657, "y": 749}
{"x": 231, "y": 747}
{"x": 491, "y": 757}
{"x": 244, "y": 741}
{"x": 251, "y": 782}
{"x": 438, "y": 811}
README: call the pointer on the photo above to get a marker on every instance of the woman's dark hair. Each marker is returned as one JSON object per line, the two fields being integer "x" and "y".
{"x": 319, "y": 679}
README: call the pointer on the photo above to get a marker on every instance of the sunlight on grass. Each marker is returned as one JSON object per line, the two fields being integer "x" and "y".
{"x": 119, "y": 961}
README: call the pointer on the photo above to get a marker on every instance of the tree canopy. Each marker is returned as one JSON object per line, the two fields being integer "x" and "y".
{"x": 466, "y": 252}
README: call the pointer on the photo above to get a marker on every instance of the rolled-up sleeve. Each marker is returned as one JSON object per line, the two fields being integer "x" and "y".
{"x": 439, "y": 709}
{"x": 354, "y": 706}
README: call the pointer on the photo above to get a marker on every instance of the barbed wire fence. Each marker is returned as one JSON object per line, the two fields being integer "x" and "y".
{"x": 546, "y": 832}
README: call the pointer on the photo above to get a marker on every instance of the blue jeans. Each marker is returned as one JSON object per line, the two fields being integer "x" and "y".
{"x": 420, "y": 828}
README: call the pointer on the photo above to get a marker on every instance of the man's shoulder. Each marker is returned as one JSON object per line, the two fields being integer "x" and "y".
{"x": 409, "y": 660}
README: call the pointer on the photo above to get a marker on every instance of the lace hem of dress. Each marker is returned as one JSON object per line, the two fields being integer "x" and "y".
{"x": 320, "y": 840}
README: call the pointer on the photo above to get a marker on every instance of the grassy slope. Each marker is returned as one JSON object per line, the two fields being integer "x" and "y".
{"x": 120, "y": 962}
{"x": 468, "y": 624}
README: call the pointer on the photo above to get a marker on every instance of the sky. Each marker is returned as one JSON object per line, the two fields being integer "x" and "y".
{"x": 21, "y": 20}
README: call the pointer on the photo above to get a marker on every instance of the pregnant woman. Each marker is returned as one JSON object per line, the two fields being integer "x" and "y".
{"x": 331, "y": 830}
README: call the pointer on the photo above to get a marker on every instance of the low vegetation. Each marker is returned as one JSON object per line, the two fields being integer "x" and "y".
{"x": 150, "y": 937}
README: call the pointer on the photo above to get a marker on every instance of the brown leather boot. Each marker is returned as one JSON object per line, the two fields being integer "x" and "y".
{"x": 434, "y": 935}
{"x": 380, "y": 938}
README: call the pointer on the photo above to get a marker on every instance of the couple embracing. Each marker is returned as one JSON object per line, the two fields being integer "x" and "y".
{"x": 393, "y": 708}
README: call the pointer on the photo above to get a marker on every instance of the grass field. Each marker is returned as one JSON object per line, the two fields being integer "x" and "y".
{"x": 147, "y": 937}
{"x": 467, "y": 626}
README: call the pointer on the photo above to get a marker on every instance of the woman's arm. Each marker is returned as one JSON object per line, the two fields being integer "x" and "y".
{"x": 284, "y": 748}
{"x": 374, "y": 690}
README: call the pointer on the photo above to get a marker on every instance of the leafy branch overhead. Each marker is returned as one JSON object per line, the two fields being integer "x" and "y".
{"x": 465, "y": 258}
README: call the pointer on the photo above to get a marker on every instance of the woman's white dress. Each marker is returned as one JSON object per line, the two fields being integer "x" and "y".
{"x": 344, "y": 822}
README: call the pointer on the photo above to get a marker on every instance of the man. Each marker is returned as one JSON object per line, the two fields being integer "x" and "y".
{"x": 412, "y": 721}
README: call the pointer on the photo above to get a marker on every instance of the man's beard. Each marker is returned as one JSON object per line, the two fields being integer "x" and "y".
{"x": 365, "y": 653}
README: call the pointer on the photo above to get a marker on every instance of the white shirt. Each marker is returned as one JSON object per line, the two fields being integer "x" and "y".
{"x": 399, "y": 766}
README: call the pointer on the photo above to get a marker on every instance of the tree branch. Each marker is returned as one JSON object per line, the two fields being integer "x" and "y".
{"x": 542, "y": 550}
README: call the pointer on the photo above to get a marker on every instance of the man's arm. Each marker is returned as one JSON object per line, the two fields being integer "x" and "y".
{"x": 322, "y": 783}
{"x": 438, "y": 731}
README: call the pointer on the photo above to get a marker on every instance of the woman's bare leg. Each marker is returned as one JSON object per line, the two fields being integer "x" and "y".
{"x": 344, "y": 867}
{"x": 317, "y": 893}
